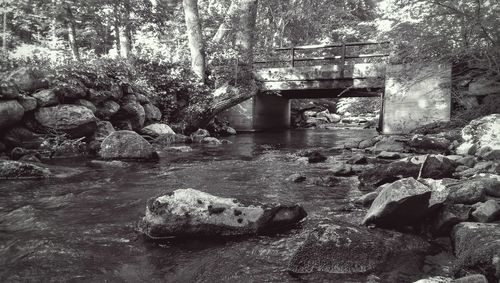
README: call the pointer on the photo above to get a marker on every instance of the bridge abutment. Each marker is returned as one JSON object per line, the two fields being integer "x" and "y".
{"x": 262, "y": 112}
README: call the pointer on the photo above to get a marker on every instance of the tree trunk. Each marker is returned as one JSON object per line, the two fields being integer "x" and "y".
{"x": 117, "y": 32}
{"x": 70, "y": 23}
{"x": 195, "y": 38}
{"x": 246, "y": 87}
{"x": 227, "y": 23}
{"x": 4, "y": 35}
{"x": 128, "y": 31}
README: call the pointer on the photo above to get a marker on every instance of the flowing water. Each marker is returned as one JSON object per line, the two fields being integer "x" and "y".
{"x": 82, "y": 228}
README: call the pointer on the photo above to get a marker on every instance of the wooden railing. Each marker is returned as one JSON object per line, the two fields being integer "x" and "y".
{"x": 342, "y": 57}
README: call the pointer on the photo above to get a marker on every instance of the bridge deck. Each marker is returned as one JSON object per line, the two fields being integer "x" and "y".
{"x": 363, "y": 79}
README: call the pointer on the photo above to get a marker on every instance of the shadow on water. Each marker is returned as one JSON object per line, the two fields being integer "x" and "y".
{"x": 83, "y": 227}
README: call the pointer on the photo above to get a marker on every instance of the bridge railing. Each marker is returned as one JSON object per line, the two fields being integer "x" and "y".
{"x": 293, "y": 59}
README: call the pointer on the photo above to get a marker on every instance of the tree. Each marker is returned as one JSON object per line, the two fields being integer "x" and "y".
{"x": 195, "y": 38}
{"x": 70, "y": 23}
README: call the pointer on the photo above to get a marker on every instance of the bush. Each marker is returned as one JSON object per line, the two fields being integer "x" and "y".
{"x": 358, "y": 105}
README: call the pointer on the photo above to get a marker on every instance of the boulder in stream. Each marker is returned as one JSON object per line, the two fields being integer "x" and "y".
{"x": 10, "y": 169}
{"x": 192, "y": 213}
{"x": 344, "y": 248}
{"x": 477, "y": 248}
{"x": 126, "y": 145}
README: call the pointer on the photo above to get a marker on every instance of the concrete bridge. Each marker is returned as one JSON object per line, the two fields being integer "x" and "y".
{"x": 412, "y": 94}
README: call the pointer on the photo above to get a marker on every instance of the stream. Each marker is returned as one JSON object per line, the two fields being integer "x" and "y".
{"x": 82, "y": 228}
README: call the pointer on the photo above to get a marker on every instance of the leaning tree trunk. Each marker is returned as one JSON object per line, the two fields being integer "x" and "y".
{"x": 231, "y": 95}
{"x": 70, "y": 23}
{"x": 195, "y": 38}
{"x": 116, "y": 25}
{"x": 227, "y": 23}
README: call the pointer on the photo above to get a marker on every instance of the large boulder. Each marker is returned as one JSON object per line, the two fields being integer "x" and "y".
{"x": 107, "y": 109}
{"x": 27, "y": 102}
{"x": 390, "y": 144}
{"x": 46, "y": 97}
{"x": 104, "y": 129}
{"x": 22, "y": 137}
{"x": 343, "y": 248}
{"x": 427, "y": 142}
{"x": 156, "y": 130}
{"x": 480, "y": 133}
{"x": 388, "y": 173}
{"x": 28, "y": 79}
{"x": 8, "y": 90}
{"x": 22, "y": 170}
{"x": 126, "y": 145}
{"x": 192, "y": 213}
{"x": 73, "y": 89}
{"x": 488, "y": 211}
{"x": 75, "y": 120}
{"x": 86, "y": 103}
{"x": 402, "y": 203}
{"x": 135, "y": 113}
{"x": 153, "y": 113}
{"x": 449, "y": 216}
{"x": 437, "y": 167}
{"x": 11, "y": 112}
{"x": 477, "y": 248}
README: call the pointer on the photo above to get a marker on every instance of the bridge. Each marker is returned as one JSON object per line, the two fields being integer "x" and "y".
{"x": 412, "y": 95}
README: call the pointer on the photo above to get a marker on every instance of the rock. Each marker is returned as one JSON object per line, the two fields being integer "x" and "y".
{"x": 481, "y": 132}
{"x": 402, "y": 203}
{"x": 229, "y": 131}
{"x": 135, "y": 113}
{"x": 99, "y": 96}
{"x": 428, "y": 142}
{"x": 22, "y": 137}
{"x": 491, "y": 184}
{"x": 488, "y": 211}
{"x": 343, "y": 248}
{"x": 315, "y": 157}
{"x": 449, "y": 216}
{"x": 352, "y": 143}
{"x": 107, "y": 109}
{"x": 327, "y": 181}
{"x": 18, "y": 152}
{"x": 340, "y": 169}
{"x": 178, "y": 149}
{"x": 141, "y": 98}
{"x": 296, "y": 178}
{"x": 72, "y": 89}
{"x": 211, "y": 140}
{"x": 467, "y": 192}
{"x": 86, "y": 103}
{"x": 474, "y": 278}
{"x": 104, "y": 129}
{"x": 334, "y": 118}
{"x": 168, "y": 139}
{"x": 11, "y": 112}
{"x": 480, "y": 167}
{"x": 192, "y": 213}
{"x": 366, "y": 143}
{"x": 108, "y": 164}
{"x": 389, "y": 144}
{"x": 28, "y": 79}
{"x": 357, "y": 159}
{"x": 468, "y": 161}
{"x": 367, "y": 199}
{"x": 153, "y": 114}
{"x": 77, "y": 121}
{"x": 8, "y": 90}
{"x": 46, "y": 97}
{"x": 486, "y": 153}
{"x": 21, "y": 170}
{"x": 388, "y": 155}
{"x": 30, "y": 158}
{"x": 388, "y": 173}
{"x": 199, "y": 135}
{"x": 477, "y": 248}
{"x": 27, "y": 102}
{"x": 156, "y": 130}
{"x": 437, "y": 167}
{"x": 126, "y": 145}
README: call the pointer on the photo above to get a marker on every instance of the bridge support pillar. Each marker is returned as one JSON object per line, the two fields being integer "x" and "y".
{"x": 261, "y": 112}
{"x": 271, "y": 112}
{"x": 415, "y": 95}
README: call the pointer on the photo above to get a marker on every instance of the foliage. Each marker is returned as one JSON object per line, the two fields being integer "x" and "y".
{"x": 358, "y": 105}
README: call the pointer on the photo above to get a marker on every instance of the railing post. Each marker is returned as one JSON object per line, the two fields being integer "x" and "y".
{"x": 292, "y": 50}
{"x": 342, "y": 61}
